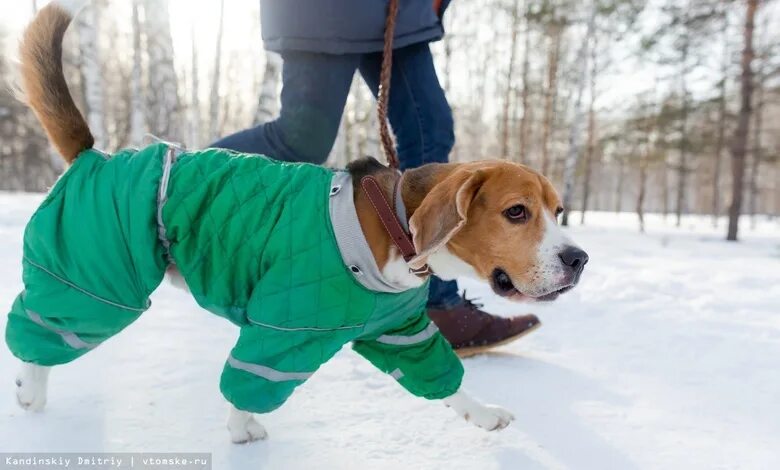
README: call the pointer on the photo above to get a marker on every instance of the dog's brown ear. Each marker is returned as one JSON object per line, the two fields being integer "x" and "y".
{"x": 443, "y": 212}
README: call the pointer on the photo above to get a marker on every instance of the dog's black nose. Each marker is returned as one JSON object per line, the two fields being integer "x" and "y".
{"x": 574, "y": 258}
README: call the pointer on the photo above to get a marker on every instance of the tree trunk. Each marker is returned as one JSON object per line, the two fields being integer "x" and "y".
{"x": 640, "y": 199}
{"x": 573, "y": 154}
{"x": 137, "y": 124}
{"x": 195, "y": 116}
{"x": 162, "y": 98}
{"x": 483, "y": 96}
{"x": 619, "y": 186}
{"x": 522, "y": 157}
{"x": 589, "y": 150}
{"x": 88, "y": 22}
{"x": 776, "y": 190}
{"x": 682, "y": 169}
{"x": 268, "y": 104}
{"x": 447, "y": 42}
{"x": 665, "y": 186}
{"x": 720, "y": 140}
{"x": 509, "y": 73}
{"x": 739, "y": 142}
{"x": 214, "y": 100}
{"x": 757, "y": 155}
{"x": 551, "y": 90}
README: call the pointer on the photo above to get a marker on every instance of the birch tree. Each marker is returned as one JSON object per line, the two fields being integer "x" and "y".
{"x": 525, "y": 118}
{"x": 87, "y": 24}
{"x": 574, "y": 130}
{"x": 682, "y": 164}
{"x": 268, "y": 103}
{"x": 554, "y": 33}
{"x": 215, "y": 81}
{"x": 509, "y": 74}
{"x": 590, "y": 148}
{"x": 195, "y": 117}
{"x": 757, "y": 151}
{"x": 162, "y": 103}
{"x": 137, "y": 109}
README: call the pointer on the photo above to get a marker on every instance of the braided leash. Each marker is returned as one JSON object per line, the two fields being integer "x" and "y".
{"x": 384, "y": 86}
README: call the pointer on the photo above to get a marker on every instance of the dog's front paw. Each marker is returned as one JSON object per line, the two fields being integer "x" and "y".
{"x": 490, "y": 417}
{"x": 31, "y": 387}
{"x": 244, "y": 428}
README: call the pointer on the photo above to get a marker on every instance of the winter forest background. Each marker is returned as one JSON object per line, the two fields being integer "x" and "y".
{"x": 664, "y": 106}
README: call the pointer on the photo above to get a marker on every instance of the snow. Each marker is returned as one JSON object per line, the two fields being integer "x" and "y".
{"x": 664, "y": 357}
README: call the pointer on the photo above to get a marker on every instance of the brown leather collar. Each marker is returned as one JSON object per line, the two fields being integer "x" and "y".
{"x": 387, "y": 215}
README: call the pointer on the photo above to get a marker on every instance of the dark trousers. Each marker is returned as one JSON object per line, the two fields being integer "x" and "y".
{"x": 314, "y": 91}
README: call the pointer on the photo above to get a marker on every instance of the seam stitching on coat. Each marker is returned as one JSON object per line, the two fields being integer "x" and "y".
{"x": 304, "y": 328}
{"x": 86, "y": 292}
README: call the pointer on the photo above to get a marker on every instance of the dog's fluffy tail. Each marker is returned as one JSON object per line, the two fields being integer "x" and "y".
{"x": 43, "y": 81}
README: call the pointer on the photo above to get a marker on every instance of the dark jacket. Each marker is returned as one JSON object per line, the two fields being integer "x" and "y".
{"x": 346, "y": 26}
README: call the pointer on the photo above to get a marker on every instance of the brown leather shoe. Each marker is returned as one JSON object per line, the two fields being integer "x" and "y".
{"x": 472, "y": 331}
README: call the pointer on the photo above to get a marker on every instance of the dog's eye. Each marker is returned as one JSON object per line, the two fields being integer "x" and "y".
{"x": 517, "y": 213}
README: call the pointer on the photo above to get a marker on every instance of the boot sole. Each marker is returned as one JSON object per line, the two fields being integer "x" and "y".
{"x": 474, "y": 350}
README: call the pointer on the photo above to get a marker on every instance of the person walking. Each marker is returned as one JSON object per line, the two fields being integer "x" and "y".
{"x": 322, "y": 43}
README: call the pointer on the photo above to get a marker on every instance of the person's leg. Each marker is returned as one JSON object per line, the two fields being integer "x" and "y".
{"x": 422, "y": 123}
{"x": 418, "y": 110}
{"x": 314, "y": 91}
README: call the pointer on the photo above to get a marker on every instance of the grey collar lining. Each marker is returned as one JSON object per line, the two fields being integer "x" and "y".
{"x": 352, "y": 244}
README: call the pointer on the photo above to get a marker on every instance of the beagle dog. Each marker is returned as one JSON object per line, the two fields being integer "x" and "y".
{"x": 495, "y": 221}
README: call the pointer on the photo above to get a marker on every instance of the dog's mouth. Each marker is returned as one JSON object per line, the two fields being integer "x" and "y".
{"x": 502, "y": 285}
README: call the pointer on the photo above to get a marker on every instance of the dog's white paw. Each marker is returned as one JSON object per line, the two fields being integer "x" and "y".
{"x": 248, "y": 432}
{"x": 244, "y": 428}
{"x": 490, "y": 417}
{"x": 31, "y": 387}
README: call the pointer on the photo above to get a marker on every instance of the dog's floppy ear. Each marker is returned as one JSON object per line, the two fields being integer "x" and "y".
{"x": 443, "y": 212}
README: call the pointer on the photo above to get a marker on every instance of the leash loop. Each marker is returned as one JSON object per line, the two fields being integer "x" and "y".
{"x": 383, "y": 95}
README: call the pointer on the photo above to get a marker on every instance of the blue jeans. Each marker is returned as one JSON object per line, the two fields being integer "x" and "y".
{"x": 314, "y": 91}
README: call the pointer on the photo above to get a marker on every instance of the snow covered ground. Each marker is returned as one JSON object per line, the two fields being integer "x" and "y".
{"x": 666, "y": 356}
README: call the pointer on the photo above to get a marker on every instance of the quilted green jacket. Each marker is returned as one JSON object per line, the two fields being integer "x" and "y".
{"x": 273, "y": 247}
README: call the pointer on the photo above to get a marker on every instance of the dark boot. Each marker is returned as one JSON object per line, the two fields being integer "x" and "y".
{"x": 472, "y": 331}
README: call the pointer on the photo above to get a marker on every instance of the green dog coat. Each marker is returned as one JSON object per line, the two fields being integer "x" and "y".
{"x": 276, "y": 248}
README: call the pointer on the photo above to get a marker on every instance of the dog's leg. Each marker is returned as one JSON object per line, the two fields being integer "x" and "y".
{"x": 243, "y": 427}
{"x": 488, "y": 417}
{"x": 31, "y": 384}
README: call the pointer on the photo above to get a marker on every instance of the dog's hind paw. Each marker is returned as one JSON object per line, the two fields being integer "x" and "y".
{"x": 249, "y": 432}
{"x": 244, "y": 428}
{"x": 31, "y": 387}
